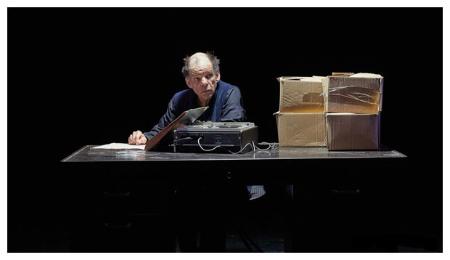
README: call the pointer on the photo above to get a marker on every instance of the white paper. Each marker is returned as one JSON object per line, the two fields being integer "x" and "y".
{"x": 120, "y": 146}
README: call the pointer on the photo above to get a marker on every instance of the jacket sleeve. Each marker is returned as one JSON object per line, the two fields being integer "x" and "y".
{"x": 165, "y": 120}
{"x": 233, "y": 109}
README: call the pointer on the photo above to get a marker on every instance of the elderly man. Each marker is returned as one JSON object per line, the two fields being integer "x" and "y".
{"x": 202, "y": 75}
{"x": 199, "y": 209}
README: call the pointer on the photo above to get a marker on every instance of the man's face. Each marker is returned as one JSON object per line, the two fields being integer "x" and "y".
{"x": 202, "y": 80}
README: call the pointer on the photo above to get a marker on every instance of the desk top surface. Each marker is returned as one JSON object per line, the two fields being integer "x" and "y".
{"x": 89, "y": 154}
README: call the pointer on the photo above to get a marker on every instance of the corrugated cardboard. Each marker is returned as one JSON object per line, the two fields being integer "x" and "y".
{"x": 301, "y": 129}
{"x": 342, "y": 73}
{"x": 301, "y": 94}
{"x": 346, "y": 131}
{"x": 359, "y": 93}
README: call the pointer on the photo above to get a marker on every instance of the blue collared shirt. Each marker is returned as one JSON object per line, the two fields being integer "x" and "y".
{"x": 225, "y": 105}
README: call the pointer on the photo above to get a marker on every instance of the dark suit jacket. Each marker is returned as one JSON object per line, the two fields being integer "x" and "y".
{"x": 225, "y": 105}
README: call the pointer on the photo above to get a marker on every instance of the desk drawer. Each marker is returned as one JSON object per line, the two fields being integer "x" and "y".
{"x": 126, "y": 234}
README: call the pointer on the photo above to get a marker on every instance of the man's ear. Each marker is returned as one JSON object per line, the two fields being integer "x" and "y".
{"x": 186, "y": 79}
{"x": 218, "y": 76}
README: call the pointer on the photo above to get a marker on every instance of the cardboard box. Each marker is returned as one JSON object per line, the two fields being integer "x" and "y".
{"x": 342, "y": 73}
{"x": 347, "y": 131}
{"x": 358, "y": 93}
{"x": 301, "y": 95}
{"x": 301, "y": 129}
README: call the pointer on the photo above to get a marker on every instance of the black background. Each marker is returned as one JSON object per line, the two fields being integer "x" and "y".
{"x": 80, "y": 76}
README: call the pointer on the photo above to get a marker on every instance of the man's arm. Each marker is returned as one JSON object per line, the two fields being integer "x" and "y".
{"x": 165, "y": 120}
{"x": 137, "y": 137}
{"x": 233, "y": 109}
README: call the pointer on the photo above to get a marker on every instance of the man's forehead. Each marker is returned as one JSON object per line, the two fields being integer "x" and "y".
{"x": 199, "y": 70}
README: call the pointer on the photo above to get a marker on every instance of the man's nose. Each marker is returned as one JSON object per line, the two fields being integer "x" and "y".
{"x": 205, "y": 80}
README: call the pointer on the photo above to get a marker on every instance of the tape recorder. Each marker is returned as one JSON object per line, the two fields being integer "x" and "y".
{"x": 216, "y": 137}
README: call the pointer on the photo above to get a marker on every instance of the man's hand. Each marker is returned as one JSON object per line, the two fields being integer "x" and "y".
{"x": 137, "y": 137}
